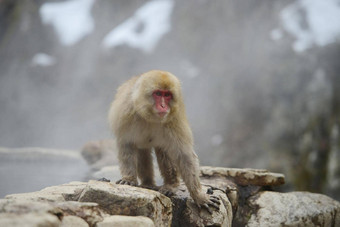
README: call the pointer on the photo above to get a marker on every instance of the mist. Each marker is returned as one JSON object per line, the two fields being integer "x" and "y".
{"x": 260, "y": 78}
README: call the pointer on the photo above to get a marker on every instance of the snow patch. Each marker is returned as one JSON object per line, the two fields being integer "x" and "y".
{"x": 72, "y": 19}
{"x": 42, "y": 59}
{"x": 144, "y": 29}
{"x": 312, "y": 22}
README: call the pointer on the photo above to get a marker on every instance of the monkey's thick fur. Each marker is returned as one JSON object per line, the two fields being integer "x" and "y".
{"x": 138, "y": 128}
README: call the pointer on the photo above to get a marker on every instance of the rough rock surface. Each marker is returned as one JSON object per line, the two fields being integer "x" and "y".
{"x": 293, "y": 209}
{"x": 73, "y": 221}
{"x": 100, "y": 153}
{"x": 186, "y": 212}
{"x": 29, "y": 220}
{"x": 55, "y": 193}
{"x": 126, "y": 221}
{"x": 92, "y": 201}
{"x": 101, "y": 204}
{"x": 245, "y": 177}
{"x": 126, "y": 200}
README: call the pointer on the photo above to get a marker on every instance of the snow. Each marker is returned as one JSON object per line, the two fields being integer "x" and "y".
{"x": 312, "y": 22}
{"x": 144, "y": 29}
{"x": 72, "y": 19}
{"x": 42, "y": 59}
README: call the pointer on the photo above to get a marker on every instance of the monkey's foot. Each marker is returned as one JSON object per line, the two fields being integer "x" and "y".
{"x": 127, "y": 182}
{"x": 210, "y": 201}
{"x": 149, "y": 186}
{"x": 168, "y": 190}
{"x": 103, "y": 179}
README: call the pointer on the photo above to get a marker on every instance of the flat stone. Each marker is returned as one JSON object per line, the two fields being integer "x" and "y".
{"x": 73, "y": 221}
{"x": 29, "y": 220}
{"x": 245, "y": 177}
{"x": 89, "y": 212}
{"x": 127, "y": 200}
{"x": 293, "y": 209}
{"x": 59, "y": 193}
{"x": 126, "y": 221}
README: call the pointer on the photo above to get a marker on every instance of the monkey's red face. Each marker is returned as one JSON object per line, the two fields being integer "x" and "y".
{"x": 162, "y": 99}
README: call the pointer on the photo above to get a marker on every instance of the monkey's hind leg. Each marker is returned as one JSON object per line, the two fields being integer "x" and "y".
{"x": 127, "y": 164}
{"x": 168, "y": 172}
{"x": 145, "y": 168}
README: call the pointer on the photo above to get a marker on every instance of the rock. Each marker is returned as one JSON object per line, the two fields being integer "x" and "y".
{"x": 55, "y": 200}
{"x": 226, "y": 186}
{"x": 97, "y": 203}
{"x": 245, "y": 177}
{"x": 293, "y": 209}
{"x": 100, "y": 153}
{"x": 29, "y": 220}
{"x": 187, "y": 213}
{"x": 23, "y": 206}
{"x": 126, "y": 221}
{"x": 60, "y": 193}
{"x": 73, "y": 221}
{"x": 128, "y": 200}
{"x": 89, "y": 212}
{"x": 108, "y": 172}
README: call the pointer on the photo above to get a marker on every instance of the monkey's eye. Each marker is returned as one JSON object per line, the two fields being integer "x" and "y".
{"x": 158, "y": 93}
{"x": 167, "y": 94}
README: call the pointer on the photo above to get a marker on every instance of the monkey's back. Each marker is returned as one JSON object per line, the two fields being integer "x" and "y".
{"x": 121, "y": 106}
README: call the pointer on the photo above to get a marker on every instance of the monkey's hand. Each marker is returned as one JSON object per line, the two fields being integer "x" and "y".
{"x": 208, "y": 201}
{"x": 126, "y": 181}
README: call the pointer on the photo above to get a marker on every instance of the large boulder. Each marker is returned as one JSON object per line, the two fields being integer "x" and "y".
{"x": 126, "y": 221}
{"x": 127, "y": 200}
{"x": 29, "y": 220}
{"x": 293, "y": 209}
{"x": 100, "y": 153}
{"x": 187, "y": 213}
{"x": 93, "y": 202}
{"x": 58, "y": 193}
{"x": 245, "y": 177}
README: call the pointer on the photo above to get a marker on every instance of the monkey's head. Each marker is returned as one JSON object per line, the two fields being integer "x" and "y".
{"x": 157, "y": 96}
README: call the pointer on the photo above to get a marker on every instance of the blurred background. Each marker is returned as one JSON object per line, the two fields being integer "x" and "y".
{"x": 261, "y": 78}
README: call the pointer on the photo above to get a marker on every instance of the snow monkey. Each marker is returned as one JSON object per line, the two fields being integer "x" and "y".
{"x": 148, "y": 113}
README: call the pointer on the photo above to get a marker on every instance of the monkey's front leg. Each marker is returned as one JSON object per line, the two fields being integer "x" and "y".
{"x": 168, "y": 172}
{"x": 127, "y": 164}
{"x": 189, "y": 168}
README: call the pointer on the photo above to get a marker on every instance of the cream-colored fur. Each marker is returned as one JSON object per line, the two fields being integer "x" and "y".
{"x": 139, "y": 129}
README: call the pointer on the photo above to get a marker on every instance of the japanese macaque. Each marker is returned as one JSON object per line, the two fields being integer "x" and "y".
{"x": 148, "y": 113}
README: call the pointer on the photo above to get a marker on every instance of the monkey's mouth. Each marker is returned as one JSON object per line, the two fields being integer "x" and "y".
{"x": 162, "y": 114}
